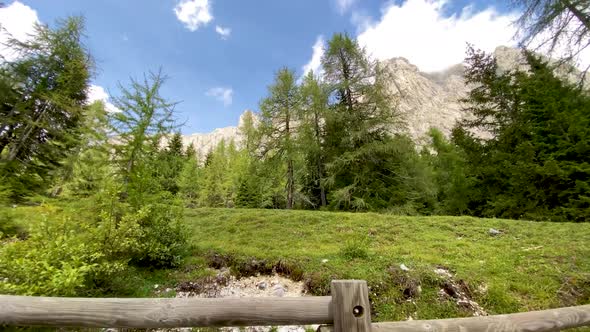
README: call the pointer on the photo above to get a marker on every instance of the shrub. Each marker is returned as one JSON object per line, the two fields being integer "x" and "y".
{"x": 65, "y": 256}
{"x": 164, "y": 235}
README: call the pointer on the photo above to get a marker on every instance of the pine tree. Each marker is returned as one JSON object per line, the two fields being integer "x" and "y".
{"x": 249, "y": 135}
{"x": 450, "y": 175}
{"x": 170, "y": 163}
{"x": 252, "y": 178}
{"x": 145, "y": 117}
{"x": 175, "y": 147}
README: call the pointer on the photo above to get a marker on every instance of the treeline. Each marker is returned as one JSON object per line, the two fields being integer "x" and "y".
{"x": 336, "y": 141}
{"x": 329, "y": 140}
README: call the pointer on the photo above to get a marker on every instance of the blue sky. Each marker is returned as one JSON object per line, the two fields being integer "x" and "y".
{"x": 221, "y": 57}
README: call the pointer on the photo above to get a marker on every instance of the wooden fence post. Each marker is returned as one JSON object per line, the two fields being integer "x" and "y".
{"x": 350, "y": 305}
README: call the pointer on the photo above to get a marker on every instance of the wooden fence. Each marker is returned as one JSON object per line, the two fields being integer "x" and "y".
{"x": 347, "y": 309}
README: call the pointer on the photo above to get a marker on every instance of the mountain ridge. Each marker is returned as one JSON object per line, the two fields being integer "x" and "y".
{"x": 425, "y": 99}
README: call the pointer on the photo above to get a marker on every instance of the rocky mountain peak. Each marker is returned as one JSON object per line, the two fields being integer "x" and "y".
{"x": 400, "y": 63}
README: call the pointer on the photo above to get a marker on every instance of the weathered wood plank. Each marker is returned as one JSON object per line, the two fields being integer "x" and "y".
{"x": 158, "y": 313}
{"x": 350, "y": 302}
{"x": 533, "y": 321}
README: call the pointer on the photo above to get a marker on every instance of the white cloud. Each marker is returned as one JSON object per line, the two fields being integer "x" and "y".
{"x": 97, "y": 92}
{"x": 344, "y": 5}
{"x": 223, "y": 32}
{"x": 315, "y": 63}
{"x": 222, "y": 94}
{"x": 16, "y": 20}
{"x": 420, "y": 31}
{"x": 193, "y": 13}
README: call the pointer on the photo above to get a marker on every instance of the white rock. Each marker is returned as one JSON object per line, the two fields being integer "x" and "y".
{"x": 278, "y": 290}
{"x": 404, "y": 267}
{"x": 494, "y": 231}
{"x": 443, "y": 272}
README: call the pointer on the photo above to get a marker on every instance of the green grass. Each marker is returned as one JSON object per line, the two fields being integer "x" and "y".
{"x": 531, "y": 266}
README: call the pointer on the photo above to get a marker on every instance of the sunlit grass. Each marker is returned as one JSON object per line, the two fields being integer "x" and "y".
{"x": 530, "y": 266}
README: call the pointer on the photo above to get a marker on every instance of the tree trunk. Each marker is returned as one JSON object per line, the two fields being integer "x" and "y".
{"x": 322, "y": 190}
{"x": 346, "y": 73}
{"x": 13, "y": 153}
{"x": 290, "y": 184}
{"x": 290, "y": 180}
{"x": 320, "y": 168}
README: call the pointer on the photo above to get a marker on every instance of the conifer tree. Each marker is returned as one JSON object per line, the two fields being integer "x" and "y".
{"x": 214, "y": 178}
{"x": 190, "y": 152}
{"x": 562, "y": 25}
{"x": 42, "y": 103}
{"x": 536, "y": 164}
{"x": 189, "y": 181}
{"x": 362, "y": 113}
{"x": 144, "y": 119}
{"x": 312, "y": 133}
{"x": 86, "y": 170}
{"x": 279, "y": 113}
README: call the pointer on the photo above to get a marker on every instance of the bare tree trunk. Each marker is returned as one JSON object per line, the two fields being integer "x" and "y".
{"x": 290, "y": 184}
{"x": 22, "y": 140}
{"x": 290, "y": 179}
{"x": 322, "y": 189}
{"x": 320, "y": 168}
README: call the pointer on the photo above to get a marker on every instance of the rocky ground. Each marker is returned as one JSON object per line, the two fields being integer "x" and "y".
{"x": 226, "y": 285}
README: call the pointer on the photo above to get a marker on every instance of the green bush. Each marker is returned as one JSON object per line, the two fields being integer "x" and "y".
{"x": 164, "y": 236}
{"x": 64, "y": 256}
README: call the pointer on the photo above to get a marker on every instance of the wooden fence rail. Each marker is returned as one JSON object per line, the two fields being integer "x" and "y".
{"x": 347, "y": 309}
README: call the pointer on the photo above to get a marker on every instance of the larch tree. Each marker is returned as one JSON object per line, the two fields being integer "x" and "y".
{"x": 311, "y": 134}
{"x": 43, "y": 96}
{"x": 562, "y": 25}
{"x": 361, "y": 115}
{"x": 144, "y": 119}
{"x": 279, "y": 115}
